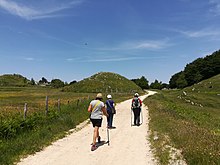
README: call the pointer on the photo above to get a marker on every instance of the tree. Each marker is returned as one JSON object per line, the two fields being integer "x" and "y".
{"x": 57, "y": 83}
{"x": 43, "y": 81}
{"x": 193, "y": 70}
{"x": 173, "y": 79}
{"x": 178, "y": 80}
{"x": 32, "y": 82}
{"x": 181, "y": 81}
{"x": 141, "y": 82}
{"x": 73, "y": 82}
{"x": 196, "y": 71}
{"x": 156, "y": 85}
{"x": 164, "y": 85}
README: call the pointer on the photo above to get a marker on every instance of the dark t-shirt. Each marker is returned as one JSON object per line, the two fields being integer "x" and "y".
{"x": 108, "y": 104}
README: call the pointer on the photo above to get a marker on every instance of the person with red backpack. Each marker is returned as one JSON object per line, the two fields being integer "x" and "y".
{"x": 136, "y": 107}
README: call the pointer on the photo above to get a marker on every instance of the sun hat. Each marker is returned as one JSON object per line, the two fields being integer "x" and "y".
{"x": 109, "y": 96}
{"x": 99, "y": 95}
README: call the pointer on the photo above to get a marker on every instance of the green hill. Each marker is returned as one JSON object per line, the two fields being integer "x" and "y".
{"x": 105, "y": 82}
{"x": 189, "y": 120}
{"x": 13, "y": 80}
{"x": 211, "y": 85}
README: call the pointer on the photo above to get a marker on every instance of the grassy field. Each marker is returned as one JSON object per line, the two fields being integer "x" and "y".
{"x": 19, "y": 136}
{"x": 188, "y": 120}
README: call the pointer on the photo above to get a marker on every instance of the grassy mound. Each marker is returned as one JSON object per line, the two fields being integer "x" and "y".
{"x": 105, "y": 82}
{"x": 13, "y": 80}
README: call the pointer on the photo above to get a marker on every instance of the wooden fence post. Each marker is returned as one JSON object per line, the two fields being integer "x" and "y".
{"x": 25, "y": 110}
{"x": 46, "y": 103}
{"x": 59, "y": 105}
{"x": 77, "y": 104}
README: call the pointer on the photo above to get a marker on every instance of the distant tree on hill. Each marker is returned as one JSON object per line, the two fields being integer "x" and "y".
{"x": 156, "y": 85}
{"x": 73, "y": 82}
{"x": 32, "y": 82}
{"x": 43, "y": 81}
{"x": 178, "y": 80}
{"x": 57, "y": 83}
{"x": 196, "y": 71}
{"x": 141, "y": 82}
{"x": 164, "y": 86}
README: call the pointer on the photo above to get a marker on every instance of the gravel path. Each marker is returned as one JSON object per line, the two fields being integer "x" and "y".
{"x": 128, "y": 145}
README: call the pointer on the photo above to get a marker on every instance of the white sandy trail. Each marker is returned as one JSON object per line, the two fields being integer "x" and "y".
{"x": 128, "y": 145}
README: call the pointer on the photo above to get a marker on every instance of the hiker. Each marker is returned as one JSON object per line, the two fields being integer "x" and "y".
{"x": 110, "y": 110}
{"x": 97, "y": 109}
{"x": 136, "y": 107}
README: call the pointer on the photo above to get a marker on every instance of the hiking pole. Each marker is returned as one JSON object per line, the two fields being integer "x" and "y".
{"x": 108, "y": 136}
{"x": 141, "y": 116}
{"x": 131, "y": 117}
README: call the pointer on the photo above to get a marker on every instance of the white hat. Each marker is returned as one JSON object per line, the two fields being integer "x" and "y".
{"x": 99, "y": 95}
{"x": 109, "y": 96}
{"x": 136, "y": 94}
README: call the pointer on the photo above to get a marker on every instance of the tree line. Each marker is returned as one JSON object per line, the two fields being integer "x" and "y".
{"x": 144, "y": 83}
{"x": 196, "y": 71}
{"x": 55, "y": 83}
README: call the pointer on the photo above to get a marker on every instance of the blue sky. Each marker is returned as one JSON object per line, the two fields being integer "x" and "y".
{"x": 74, "y": 39}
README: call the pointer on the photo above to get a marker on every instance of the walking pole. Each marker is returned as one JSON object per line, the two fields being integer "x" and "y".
{"x": 108, "y": 135}
{"x": 131, "y": 117}
{"x": 141, "y": 116}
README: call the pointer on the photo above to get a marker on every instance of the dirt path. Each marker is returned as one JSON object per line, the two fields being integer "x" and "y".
{"x": 128, "y": 145}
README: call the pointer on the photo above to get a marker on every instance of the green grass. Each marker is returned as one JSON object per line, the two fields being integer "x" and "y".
{"x": 189, "y": 121}
{"x": 21, "y": 137}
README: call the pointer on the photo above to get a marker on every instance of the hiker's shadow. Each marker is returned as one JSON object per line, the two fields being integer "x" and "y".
{"x": 101, "y": 143}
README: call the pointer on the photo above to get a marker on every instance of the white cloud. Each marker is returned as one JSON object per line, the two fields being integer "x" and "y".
{"x": 147, "y": 44}
{"x": 31, "y": 13}
{"x": 150, "y": 45}
{"x": 138, "y": 45}
{"x": 29, "y": 59}
{"x": 115, "y": 59}
{"x": 212, "y": 33}
{"x": 216, "y": 7}
{"x": 73, "y": 59}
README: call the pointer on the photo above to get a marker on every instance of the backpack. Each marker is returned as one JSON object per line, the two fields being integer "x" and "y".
{"x": 136, "y": 103}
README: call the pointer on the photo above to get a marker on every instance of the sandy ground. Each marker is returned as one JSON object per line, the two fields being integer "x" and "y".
{"x": 128, "y": 144}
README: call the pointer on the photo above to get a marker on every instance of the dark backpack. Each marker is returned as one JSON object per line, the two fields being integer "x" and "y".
{"x": 136, "y": 103}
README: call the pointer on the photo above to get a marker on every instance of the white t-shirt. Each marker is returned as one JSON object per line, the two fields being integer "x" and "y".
{"x": 97, "y": 112}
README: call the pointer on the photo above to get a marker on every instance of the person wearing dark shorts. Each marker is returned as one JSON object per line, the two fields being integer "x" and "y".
{"x": 96, "y": 122}
{"x": 97, "y": 109}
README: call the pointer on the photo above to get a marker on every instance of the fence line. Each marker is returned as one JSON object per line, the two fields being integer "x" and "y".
{"x": 78, "y": 102}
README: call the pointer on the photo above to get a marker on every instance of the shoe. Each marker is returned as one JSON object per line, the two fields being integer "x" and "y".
{"x": 94, "y": 147}
{"x": 99, "y": 139}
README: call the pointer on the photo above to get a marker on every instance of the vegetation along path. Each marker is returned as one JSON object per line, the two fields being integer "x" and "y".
{"x": 128, "y": 144}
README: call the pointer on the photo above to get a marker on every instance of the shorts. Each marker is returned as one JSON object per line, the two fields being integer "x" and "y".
{"x": 96, "y": 122}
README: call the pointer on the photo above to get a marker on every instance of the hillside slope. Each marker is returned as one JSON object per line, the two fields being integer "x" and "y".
{"x": 13, "y": 80}
{"x": 189, "y": 120}
{"x": 209, "y": 85}
{"x": 104, "y": 82}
